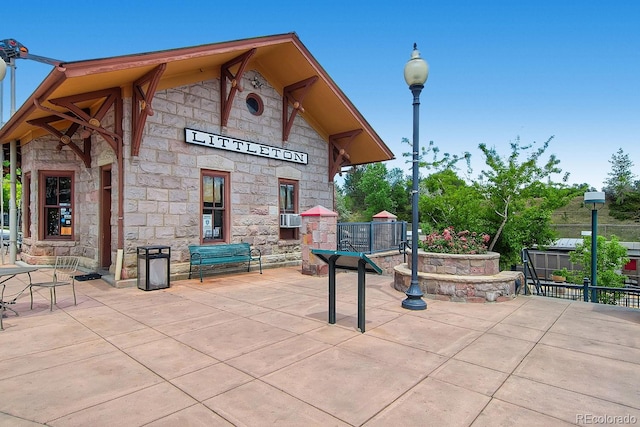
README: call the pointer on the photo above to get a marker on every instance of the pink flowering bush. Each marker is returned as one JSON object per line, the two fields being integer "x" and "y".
{"x": 452, "y": 242}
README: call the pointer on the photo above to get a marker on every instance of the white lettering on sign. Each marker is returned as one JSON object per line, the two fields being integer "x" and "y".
{"x": 221, "y": 142}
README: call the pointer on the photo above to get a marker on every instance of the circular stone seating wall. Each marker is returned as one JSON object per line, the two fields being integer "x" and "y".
{"x": 465, "y": 278}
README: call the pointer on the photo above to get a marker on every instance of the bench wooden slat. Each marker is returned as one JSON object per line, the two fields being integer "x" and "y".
{"x": 232, "y": 253}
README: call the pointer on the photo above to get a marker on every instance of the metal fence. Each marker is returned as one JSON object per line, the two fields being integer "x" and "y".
{"x": 546, "y": 262}
{"x": 625, "y": 297}
{"x": 371, "y": 237}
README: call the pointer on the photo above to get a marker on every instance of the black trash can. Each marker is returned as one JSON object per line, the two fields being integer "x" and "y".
{"x": 153, "y": 267}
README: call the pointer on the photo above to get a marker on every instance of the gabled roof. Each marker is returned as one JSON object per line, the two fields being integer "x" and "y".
{"x": 282, "y": 59}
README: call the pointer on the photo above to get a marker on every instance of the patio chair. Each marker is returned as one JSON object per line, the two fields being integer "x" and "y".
{"x": 63, "y": 274}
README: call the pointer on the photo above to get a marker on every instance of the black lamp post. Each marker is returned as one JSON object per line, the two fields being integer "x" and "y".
{"x": 416, "y": 72}
{"x": 597, "y": 198}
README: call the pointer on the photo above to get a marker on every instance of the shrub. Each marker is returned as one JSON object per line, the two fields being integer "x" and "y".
{"x": 452, "y": 242}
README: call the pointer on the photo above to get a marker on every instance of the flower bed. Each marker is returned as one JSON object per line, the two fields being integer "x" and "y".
{"x": 455, "y": 242}
{"x": 460, "y": 277}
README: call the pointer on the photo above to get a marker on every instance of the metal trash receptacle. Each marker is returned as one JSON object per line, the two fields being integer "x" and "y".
{"x": 153, "y": 267}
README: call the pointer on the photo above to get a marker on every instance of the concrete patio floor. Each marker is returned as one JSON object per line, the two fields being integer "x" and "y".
{"x": 255, "y": 350}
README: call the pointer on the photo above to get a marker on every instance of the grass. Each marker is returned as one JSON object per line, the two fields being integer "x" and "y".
{"x": 574, "y": 218}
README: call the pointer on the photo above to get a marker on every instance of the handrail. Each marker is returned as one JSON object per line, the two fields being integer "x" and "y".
{"x": 347, "y": 243}
{"x": 402, "y": 248}
{"x": 528, "y": 266}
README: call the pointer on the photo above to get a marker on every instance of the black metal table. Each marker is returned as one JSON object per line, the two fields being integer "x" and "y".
{"x": 7, "y": 273}
{"x": 355, "y": 261}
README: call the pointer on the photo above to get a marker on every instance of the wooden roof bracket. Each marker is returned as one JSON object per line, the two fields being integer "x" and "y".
{"x": 141, "y": 104}
{"x": 84, "y": 118}
{"x": 225, "y": 73}
{"x": 287, "y": 97}
{"x": 338, "y": 155}
{"x": 65, "y": 138}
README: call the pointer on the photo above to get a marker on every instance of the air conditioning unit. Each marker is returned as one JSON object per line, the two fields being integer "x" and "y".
{"x": 290, "y": 221}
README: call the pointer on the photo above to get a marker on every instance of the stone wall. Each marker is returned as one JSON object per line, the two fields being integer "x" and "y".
{"x": 44, "y": 154}
{"x": 462, "y": 278}
{"x": 162, "y": 184}
{"x": 459, "y": 264}
{"x": 162, "y": 197}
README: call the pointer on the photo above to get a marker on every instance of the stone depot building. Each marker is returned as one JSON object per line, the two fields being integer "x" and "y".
{"x": 213, "y": 144}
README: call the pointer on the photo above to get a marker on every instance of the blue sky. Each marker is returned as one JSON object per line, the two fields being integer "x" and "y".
{"x": 499, "y": 70}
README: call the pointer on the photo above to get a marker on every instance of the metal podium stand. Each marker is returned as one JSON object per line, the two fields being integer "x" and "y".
{"x": 356, "y": 261}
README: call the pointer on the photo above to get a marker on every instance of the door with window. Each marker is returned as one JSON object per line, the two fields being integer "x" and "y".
{"x": 105, "y": 217}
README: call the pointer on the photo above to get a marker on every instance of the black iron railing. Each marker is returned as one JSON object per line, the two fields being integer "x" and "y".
{"x": 624, "y": 296}
{"x": 627, "y": 296}
{"x": 371, "y": 237}
{"x": 529, "y": 270}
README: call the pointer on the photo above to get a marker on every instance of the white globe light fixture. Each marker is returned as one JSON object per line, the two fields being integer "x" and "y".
{"x": 416, "y": 72}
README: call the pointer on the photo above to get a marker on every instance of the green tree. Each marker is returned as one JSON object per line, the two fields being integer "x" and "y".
{"x": 431, "y": 159}
{"x": 400, "y": 194}
{"x": 354, "y": 203}
{"x": 341, "y": 204}
{"x": 620, "y": 181}
{"x": 611, "y": 257}
{"x": 448, "y": 201}
{"x": 512, "y": 200}
{"x": 6, "y": 187}
{"x": 368, "y": 190}
{"x": 376, "y": 189}
{"x": 515, "y": 217}
{"x": 629, "y": 210}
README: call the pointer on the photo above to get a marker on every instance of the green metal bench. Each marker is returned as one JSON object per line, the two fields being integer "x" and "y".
{"x": 231, "y": 253}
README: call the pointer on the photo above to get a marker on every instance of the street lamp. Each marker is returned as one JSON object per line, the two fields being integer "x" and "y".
{"x": 3, "y": 73}
{"x": 416, "y": 72}
{"x": 10, "y": 50}
{"x": 597, "y": 199}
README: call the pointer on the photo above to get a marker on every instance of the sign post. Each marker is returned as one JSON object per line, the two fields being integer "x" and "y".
{"x": 356, "y": 261}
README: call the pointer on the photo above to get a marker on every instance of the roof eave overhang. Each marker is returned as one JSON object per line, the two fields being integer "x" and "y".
{"x": 124, "y": 70}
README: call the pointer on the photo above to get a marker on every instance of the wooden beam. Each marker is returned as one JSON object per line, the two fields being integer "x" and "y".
{"x": 339, "y": 153}
{"x": 289, "y": 98}
{"x": 65, "y": 137}
{"x": 141, "y": 104}
{"x": 83, "y": 116}
{"x": 226, "y": 73}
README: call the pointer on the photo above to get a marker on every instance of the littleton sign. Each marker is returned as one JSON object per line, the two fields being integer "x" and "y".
{"x": 227, "y": 143}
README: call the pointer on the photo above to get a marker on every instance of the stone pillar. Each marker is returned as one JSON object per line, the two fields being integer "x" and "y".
{"x": 388, "y": 236}
{"x": 319, "y": 229}
{"x": 384, "y": 216}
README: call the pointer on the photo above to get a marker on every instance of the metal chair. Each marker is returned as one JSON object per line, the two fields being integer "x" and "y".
{"x": 63, "y": 274}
